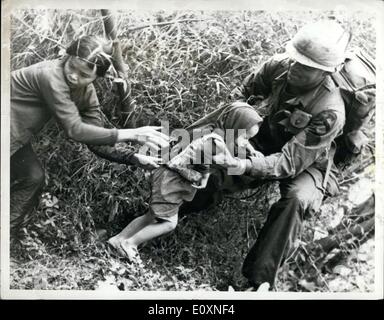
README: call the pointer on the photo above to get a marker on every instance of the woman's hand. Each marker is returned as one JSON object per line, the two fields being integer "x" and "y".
{"x": 148, "y": 135}
{"x": 146, "y": 162}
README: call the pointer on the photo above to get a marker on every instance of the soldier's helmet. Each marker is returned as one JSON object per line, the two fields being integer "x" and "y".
{"x": 320, "y": 45}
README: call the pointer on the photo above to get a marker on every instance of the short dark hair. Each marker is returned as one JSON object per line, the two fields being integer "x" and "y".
{"x": 90, "y": 49}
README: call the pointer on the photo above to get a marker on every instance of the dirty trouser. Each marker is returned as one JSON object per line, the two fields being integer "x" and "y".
{"x": 27, "y": 180}
{"x": 284, "y": 220}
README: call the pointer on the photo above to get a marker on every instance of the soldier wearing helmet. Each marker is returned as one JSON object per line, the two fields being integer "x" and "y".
{"x": 305, "y": 114}
{"x": 293, "y": 143}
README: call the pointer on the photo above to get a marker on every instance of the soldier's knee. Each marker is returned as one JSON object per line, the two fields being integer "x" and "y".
{"x": 305, "y": 197}
{"x": 300, "y": 196}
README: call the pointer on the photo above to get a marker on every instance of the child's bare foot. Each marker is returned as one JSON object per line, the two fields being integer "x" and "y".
{"x": 264, "y": 287}
{"x": 131, "y": 252}
{"x": 116, "y": 244}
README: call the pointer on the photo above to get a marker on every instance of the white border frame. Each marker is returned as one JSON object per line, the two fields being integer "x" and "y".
{"x": 375, "y": 6}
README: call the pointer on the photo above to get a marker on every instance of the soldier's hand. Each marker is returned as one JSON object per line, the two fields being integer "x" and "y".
{"x": 223, "y": 156}
{"x": 243, "y": 143}
{"x": 366, "y": 96}
{"x": 253, "y": 152}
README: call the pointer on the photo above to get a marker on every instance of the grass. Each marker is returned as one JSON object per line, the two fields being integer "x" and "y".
{"x": 178, "y": 73}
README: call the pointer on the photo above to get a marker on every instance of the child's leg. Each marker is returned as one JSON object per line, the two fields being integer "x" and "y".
{"x": 152, "y": 230}
{"x": 140, "y": 230}
{"x": 133, "y": 227}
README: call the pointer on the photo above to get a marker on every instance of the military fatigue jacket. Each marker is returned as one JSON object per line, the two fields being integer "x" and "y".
{"x": 288, "y": 153}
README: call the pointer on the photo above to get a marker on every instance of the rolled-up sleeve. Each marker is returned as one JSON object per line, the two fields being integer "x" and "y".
{"x": 307, "y": 147}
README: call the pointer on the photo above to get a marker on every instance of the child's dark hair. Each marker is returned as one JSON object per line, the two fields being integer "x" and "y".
{"x": 91, "y": 50}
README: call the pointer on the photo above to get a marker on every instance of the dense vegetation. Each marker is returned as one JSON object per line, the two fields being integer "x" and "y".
{"x": 178, "y": 72}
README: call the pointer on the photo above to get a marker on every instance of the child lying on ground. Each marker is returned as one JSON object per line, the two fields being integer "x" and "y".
{"x": 178, "y": 181}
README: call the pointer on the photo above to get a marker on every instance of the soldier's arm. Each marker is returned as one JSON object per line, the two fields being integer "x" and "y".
{"x": 307, "y": 147}
{"x": 258, "y": 83}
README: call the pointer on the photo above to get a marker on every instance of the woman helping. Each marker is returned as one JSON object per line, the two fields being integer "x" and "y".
{"x": 63, "y": 89}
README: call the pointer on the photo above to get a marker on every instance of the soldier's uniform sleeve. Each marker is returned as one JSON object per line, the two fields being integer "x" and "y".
{"x": 121, "y": 152}
{"x": 310, "y": 146}
{"x": 258, "y": 83}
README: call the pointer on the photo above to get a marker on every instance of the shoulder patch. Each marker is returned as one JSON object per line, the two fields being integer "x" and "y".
{"x": 323, "y": 123}
{"x": 318, "y": 128}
